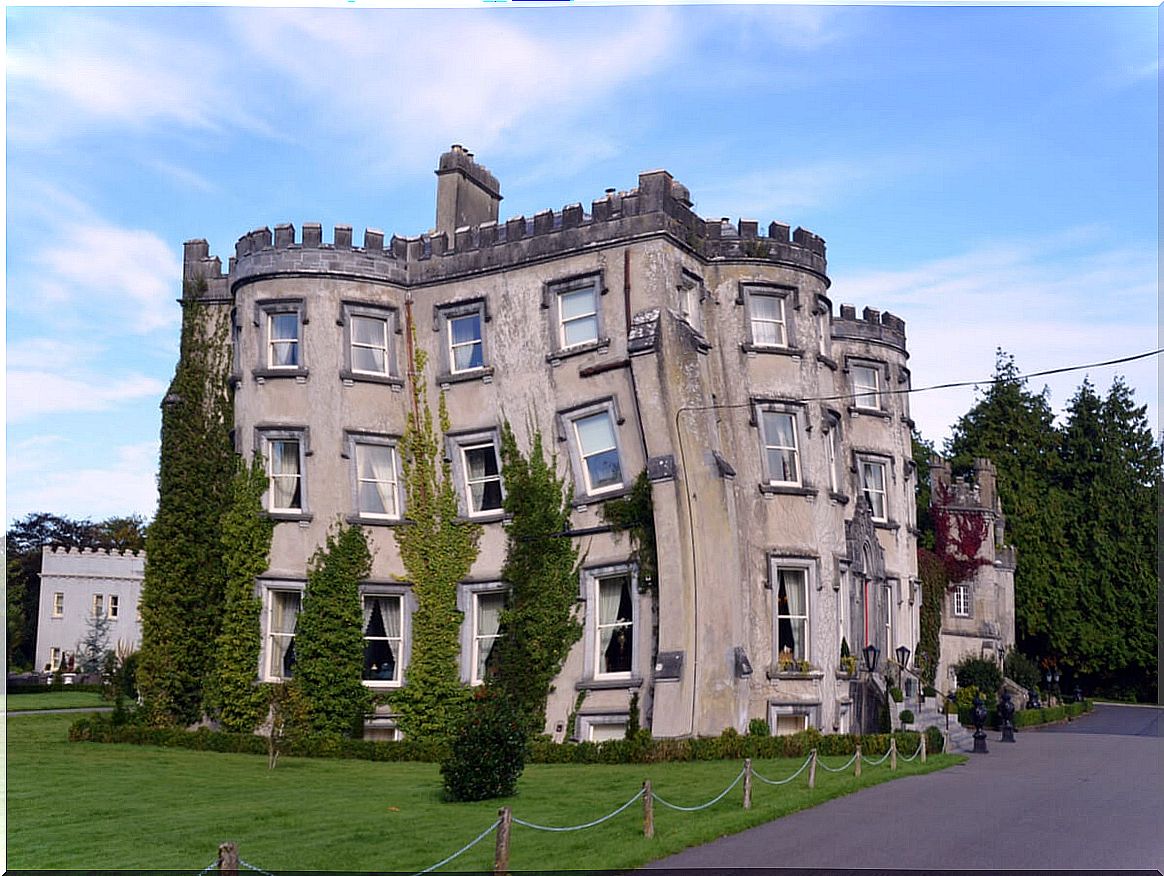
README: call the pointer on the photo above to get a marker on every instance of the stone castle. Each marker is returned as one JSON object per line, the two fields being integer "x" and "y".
{"x": 635, "y": 336}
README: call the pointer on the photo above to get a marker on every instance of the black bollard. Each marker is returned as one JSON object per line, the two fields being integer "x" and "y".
{"x": 979, "y": 716}
{"x": 1006, "y": 712}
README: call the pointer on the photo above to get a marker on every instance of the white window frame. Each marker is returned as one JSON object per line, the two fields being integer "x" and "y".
{"x": 806, "y": 569}
{"x": 590, "y": 594}
{"x": 568, "y": 431}
{"x": 869, "y": 493}
{"x": 113, "y": 607}
{"x": 469, "y": 603}
{"x": 58, "y": 604}
{"x": 401, "y": 641}
{"x": 268, "y": 439}
{"x": 98, "y": 609}
{"x": 295, "y": 344}
{"x": 464, "y": 446}
{"x": 755, "y": 319}
{"x": 356, "y": 444}
{"x": 270, "y": 594}
{"x": 961, "y": 600}
{"x": 626, "y": 627}
{"x": 776, "y": 712}
{"x": 453, "y": 345}
{"x": 833, "y": 455}
{"x": 773, "y": 477}
{"x": 264, "y": 319}
{"x": 862, "y": 391}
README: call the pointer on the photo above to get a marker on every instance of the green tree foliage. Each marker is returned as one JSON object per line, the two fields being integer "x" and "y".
{"x": 1082, "y": 509}
{"x": 23, "y": 543}
{"x": 538, "y": 625}
{"x": 235, "y": 696}
{"x": 1111, "y": 470}
{"x": 1015, "y": 429}
{"x": 329, "y": 640}
{"x": 437, "y": 550}
{"x": 185, "y": 577}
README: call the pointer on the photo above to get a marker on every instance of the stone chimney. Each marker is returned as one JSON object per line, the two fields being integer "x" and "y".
{"x": 467, "y": 193}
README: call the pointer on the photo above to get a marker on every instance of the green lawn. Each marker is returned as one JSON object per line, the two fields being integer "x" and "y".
{"x": 55, "y": 699}
{"x": 168, "y": 808}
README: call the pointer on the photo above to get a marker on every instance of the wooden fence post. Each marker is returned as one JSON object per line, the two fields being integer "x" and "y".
{"x": 747, "y": 783}
{"x": 228, "y": 859}
{"x": 648, "y": 810}
{"x": 812, "y": 771}
{"x": 923, "y": 747}
{"x": 892, "y": 753}
{"x": 857, "y": 768}
{"x": 501, "y": 854}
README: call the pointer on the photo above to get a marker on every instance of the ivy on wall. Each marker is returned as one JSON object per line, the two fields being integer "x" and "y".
{"x": 233, "y": 695}
{"x": 185, "y": 579}
{"x": 329, "y": 638}
{"x": 437, "y": 550}
{"x": 538, "y": 625}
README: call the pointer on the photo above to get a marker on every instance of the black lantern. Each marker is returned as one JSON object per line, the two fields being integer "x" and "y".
{"x": 870, "y": 651}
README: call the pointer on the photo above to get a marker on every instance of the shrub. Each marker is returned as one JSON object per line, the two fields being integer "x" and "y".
{"x": 759, "y": 727}
{"x": 906, "y": 716}
{"x": 488, "y": 752}
{"x": 1021, "y": 669}
{"x": 935, "y": 741}
{"x": 982, "y": 674}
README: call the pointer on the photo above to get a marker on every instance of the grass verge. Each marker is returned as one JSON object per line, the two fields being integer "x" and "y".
{"x": 55, "y": 699}
{"x": 152, "y": 808}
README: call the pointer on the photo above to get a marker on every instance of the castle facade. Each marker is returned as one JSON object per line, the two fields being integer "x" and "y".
{"x": 636, "y": 336}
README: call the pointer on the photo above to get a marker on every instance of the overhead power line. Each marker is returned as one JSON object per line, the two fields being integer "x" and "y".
{"x": 991, "y": 380}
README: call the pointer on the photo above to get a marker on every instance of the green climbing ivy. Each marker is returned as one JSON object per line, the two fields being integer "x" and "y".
{"x": 329, "y": 640}
{"x": 437, "y": 550}
{"x": 185, "y": 577}
{"x": 538, "y": 625}
{"x": 635, "y": 515}
{"x": 234, "y": 695}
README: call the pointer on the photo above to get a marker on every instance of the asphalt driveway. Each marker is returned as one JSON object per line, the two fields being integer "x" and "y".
{"x": 1082, "y": 795}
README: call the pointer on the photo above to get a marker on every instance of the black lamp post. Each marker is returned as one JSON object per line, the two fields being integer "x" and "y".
{"x": 902, "y": 661}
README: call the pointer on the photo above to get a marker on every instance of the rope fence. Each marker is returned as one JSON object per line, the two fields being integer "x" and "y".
{"x": 228, "y": 862}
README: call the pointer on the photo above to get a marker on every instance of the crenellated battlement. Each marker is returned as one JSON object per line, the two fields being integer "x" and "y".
{"x": 872, "y": 325}
{"x": 92, "y": 552}
{"x": 658, "y": 205}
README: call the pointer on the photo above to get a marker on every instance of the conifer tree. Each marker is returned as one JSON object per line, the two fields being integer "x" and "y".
{"x": 538, "y": 625}
{"x": 235, "y": 696}
{"x": 329, "y": 639}
{"x": 182, "y": 594}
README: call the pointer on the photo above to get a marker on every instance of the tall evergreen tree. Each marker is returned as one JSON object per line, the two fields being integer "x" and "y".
{"x": 1111, "y": 470}
{"x": 185, "y": 578}
{"x": 329, "y": 639}
{"x": 538, "y": 625}
{"x": 1014, "y": 428}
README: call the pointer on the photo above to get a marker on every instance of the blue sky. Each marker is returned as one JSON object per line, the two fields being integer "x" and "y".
{"x": 987, "y": 173}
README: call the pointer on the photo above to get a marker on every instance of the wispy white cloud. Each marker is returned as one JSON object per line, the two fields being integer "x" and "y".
{"x": 75, "y": 70}
{"x": 412, "y": 83}
{"x": 55, "y": 482}
{"x": 1065, "y": 299}
{"x": 38, "y": 393}
{"x": 129, "y": 273}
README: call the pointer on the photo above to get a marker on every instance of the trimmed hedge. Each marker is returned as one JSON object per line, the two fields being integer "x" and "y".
{"x": 641, "y": 748}
{"x": 1029, "y": 717}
